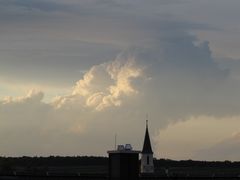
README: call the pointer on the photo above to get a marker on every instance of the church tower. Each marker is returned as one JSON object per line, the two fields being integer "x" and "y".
{"x": 147, "y": 166}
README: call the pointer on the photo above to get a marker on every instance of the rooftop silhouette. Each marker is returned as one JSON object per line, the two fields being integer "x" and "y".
{"x": 147, "y": 148}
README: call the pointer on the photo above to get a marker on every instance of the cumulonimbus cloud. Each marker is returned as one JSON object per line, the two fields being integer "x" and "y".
{"x": 104, "y": 85}
{"x": 33, "y": 96}
{"x": 41, "y": 124}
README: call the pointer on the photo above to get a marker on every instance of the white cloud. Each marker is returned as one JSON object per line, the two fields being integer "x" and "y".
{"x": 33, "y": 126}
{"x": 33, "y": 96}
{"x": 194, "y": 137}
{"x": 227, "y": 149}
{"x": 30, "y": 126}
{"x": 104, "y": 85}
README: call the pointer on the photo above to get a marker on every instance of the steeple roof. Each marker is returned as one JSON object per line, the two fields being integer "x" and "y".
{"x": 147, "y": 148}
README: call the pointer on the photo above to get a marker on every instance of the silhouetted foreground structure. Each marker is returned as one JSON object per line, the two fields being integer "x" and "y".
{"x": 124, "y": 163}
{"x": 97, "y": 168}
{"x": 147, "y": 166}
{"x": 105, "y": 178}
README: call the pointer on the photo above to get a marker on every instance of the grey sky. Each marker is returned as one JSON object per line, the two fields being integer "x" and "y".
{"x": 95, "y": 60}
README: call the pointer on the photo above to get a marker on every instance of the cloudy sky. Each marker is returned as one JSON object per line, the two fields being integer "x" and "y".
{"x": 73, "y": 73}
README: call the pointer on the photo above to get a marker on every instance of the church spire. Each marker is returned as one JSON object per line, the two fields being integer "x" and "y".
{"x": 147, "y": 148}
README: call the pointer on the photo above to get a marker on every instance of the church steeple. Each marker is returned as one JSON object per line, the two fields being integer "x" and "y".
{"x": 147, "y": 166}
{"x": 147, "y": 148}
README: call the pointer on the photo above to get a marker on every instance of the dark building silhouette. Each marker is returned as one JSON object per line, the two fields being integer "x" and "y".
{"x": 124, "y": 163}
{"x": 147, "y": 166}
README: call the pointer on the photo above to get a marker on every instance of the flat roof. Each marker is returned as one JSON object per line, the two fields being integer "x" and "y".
{"x": 123, "y": 152}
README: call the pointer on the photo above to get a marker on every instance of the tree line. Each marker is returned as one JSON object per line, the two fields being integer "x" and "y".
{"x": 56, "y": 161}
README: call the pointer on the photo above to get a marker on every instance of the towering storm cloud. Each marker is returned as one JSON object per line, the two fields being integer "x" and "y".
{"x": 97, "y": 67}
{"x": 104, "y": 85}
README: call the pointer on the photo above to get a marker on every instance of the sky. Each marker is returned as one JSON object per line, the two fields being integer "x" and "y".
{"x": 75, "y": 73}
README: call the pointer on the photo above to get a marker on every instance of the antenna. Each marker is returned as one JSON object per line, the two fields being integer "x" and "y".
{"x": 115, "y": 142}
{"x": 147, "y": 119}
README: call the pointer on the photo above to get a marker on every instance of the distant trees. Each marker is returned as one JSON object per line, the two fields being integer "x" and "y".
{"x": 9, "y": 163}
{"x": 191, "y": 163}
{"x": 6, "y": 166}
{"x": 53, "y": 161}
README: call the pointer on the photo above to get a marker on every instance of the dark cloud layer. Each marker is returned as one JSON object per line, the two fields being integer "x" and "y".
{"x": 68, "y": 42}
{"x": 33, "y": 5}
